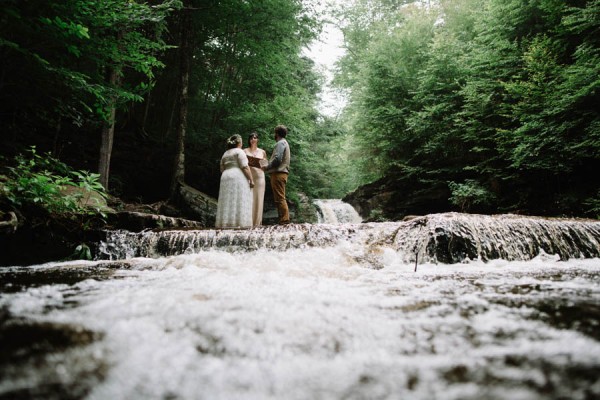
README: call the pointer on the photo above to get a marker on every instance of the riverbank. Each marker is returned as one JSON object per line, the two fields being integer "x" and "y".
{"x": 38, "y": 236}
{"x": 35, "y": 236}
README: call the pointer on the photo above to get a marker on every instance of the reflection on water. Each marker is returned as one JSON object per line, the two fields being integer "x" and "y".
{"x": 326, "y": 323}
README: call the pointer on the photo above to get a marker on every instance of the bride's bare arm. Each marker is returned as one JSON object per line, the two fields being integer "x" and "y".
{"x": 248, "y": 174}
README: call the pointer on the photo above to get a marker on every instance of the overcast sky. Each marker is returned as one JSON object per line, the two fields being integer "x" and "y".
{"x": 325, "y": 52}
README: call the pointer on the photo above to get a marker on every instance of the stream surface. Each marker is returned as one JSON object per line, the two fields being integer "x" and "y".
{"x": 301, "y": 323}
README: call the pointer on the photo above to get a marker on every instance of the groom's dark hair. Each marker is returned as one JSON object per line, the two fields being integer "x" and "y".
{"x": 281, "y": 131}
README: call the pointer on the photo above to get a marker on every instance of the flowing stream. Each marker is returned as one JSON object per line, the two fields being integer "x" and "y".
{"x": 499, "y": 307}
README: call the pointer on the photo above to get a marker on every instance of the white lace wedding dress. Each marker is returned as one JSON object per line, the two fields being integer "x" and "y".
{"x": 234, "y": 208}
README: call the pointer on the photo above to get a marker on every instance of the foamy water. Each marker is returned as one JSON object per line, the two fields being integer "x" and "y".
{"x": 315, "y": 323}
{"x": 335, "y": 211}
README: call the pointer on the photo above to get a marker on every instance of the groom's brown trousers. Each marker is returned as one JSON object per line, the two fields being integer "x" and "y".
{"x": 278, "y": 182}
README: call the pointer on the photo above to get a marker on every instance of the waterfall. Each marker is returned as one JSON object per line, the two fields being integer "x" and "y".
{"x": 334, "y": 211}
{"x": 440, "y": 238}
{"x": 323, "y": 311}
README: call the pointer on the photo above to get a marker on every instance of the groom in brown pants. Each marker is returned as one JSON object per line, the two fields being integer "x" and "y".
{"x": 278, "y": 169}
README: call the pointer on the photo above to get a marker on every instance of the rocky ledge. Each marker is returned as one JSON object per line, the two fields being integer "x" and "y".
{"x": 41, "y": 237}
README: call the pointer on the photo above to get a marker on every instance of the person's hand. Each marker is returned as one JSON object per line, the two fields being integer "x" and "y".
{"x": 251, "y": 184}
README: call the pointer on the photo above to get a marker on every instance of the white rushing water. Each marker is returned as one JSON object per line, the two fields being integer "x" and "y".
{"x": 335, "y": 211}
{"x": 445, "y": 238}
{"x": 311, "y": 323}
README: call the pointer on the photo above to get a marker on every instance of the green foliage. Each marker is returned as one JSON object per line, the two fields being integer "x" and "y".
{"x": 593, "y": 204}
{"x": 248, "y": 74}
{"x": 81, "y": 252}
{"x": 468, "y": 194}
{"x": 43, "y": 181}
{"x": 62, "y": 52}
{"x": 499, "y": 95}
{"x": 333, "y": 167}
{"x": 377, "y": 215}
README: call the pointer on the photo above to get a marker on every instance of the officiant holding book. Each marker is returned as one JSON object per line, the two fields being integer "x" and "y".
{"x": 257, "y": 158}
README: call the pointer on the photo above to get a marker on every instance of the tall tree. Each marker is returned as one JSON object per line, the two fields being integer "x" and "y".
{"x": 185, "y": 61}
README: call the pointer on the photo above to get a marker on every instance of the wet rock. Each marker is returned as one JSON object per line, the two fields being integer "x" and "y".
{"x": 8, "y": 222}
{"x": 442, "y": 238}
{"x": 30, "y": 360}
{"x": 387, "y": 199}
{"x": 138, "y": 221}
{"x": 43, "y": 237}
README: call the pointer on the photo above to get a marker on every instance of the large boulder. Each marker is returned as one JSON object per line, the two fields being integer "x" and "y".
{"x": 393, "y": 199}
{"x": 86, "y": 198}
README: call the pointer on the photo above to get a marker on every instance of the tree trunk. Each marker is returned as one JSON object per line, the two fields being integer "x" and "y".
{"x": 108, "y": 133}
{"x": 146, "y": 110}
{"x": 167, "y": 132}
{"x": 185, "y": 67}
{"x": 55, "y": 151}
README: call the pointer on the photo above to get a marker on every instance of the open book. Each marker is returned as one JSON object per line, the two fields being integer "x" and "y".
{"x": 257, "y": 162}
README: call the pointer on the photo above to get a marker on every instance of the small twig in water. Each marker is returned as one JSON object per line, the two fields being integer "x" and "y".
{"x": 416, "y": 260}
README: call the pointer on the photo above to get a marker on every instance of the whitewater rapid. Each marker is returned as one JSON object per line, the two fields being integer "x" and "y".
{"x": 307, "y": 323}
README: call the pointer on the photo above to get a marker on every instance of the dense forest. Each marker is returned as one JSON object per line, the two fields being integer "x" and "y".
{"x": 479, "y": 105}
{"x": 468, "y": 105}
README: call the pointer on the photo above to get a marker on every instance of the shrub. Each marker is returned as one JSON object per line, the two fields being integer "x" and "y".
{"x": 466, "y": 195}
{"x": 43, "y": 181}
{"x": 593, "y": 204}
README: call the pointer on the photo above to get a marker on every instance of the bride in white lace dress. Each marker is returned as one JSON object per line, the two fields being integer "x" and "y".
{"x": 234, "y": 208}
